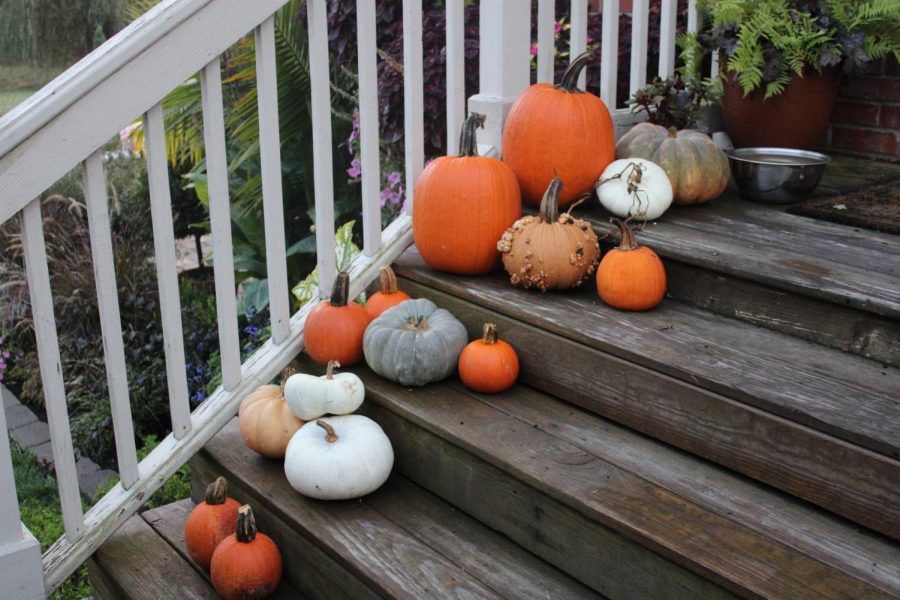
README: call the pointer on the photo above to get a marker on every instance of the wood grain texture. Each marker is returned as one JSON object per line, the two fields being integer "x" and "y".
{"x": 851, "y": 481}
{"x": 777, "y": 373}
{"x": 731, "y": 554}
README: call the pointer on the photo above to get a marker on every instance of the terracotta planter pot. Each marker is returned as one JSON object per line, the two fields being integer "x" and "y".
{"x": 796, "y": 118}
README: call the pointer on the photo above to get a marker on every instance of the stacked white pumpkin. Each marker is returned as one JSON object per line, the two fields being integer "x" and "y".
{"x": 336, "y": 455}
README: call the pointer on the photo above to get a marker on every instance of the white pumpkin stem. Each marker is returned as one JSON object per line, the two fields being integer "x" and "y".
{"x": 489, "y": 334}
{"x": 633, "y": 178}
{"x": 246, "y": 525}
{"x": 329, "y": 370}
{"x": 330, "y": 437}
{"x": 216, "y": 492}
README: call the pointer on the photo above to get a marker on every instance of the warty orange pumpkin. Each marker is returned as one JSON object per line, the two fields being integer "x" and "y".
{"x": 334, "y": 330}
{"x": 462, "y": 205}
{"x": 631, "y": 277}
{"x": 246, "y": 565}
{"x": 559, "y": 130}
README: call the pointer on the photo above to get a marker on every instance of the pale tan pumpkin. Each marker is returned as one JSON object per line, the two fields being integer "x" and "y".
{"x": 550, "y": 250}
{"x": 266, "y": 421}
{"x": 697, "y": 168}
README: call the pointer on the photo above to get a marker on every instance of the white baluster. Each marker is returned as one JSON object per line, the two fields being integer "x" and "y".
{"x": 220, "y": 223}
{"x": 546, "y": 19}
{"x": 609, "y": 53}
{"x": 97, "y": 202}
{"x": 368, "y": 126}
{"x": 667, "y": 25}
{"x": 693, "y": 16}
{"x": 166, "y": 271}
{"x": 413, "y": 103}
{"x": 578, "y": 35}
{"x": 639, "y": 20}
{"x": 270, "y": 165}
{"x": 456, "y": 78}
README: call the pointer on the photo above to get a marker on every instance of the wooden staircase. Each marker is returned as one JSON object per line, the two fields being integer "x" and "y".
{"x": 741, "y": 439}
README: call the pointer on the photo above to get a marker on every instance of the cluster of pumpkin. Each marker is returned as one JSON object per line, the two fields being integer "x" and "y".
{"x": 558, "y": 145}
{"x": 221, "y": 537}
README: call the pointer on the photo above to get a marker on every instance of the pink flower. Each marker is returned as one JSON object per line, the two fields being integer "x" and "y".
{"x": 557, "y": 27}
{"x": 534, "y": 50}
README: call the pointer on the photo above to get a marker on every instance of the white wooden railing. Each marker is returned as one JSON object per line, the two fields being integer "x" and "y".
{"x": 65, "y": 125}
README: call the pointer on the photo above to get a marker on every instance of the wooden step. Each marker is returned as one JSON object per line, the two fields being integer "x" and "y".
{"x": 627, "y": 515}
{"x": 818, "y": 423}
{"x": 399, "y": 542}
{"x": 832, "y": 284}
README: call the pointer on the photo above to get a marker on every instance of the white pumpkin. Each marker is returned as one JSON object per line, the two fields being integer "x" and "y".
{"x": 309, "y": 397}
{"x": 635, "y": 187}
{"x": 337, "y": 458}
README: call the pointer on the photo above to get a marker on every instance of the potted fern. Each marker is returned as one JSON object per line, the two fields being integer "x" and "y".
{"x": 782, "y": 61}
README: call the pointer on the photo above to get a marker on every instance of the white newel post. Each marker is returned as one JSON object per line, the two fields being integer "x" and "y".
{"x": 505, "y": 64}
{"x": 21, "y": 570}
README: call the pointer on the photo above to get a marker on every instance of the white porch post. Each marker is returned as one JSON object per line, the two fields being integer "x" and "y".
{"x": 21, "y": 570}
{"x": 505, "y": 44}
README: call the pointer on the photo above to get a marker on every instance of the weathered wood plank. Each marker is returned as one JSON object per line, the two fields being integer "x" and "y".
{"x": 732, "y": 555}
{"x": 846, "y": 479}
{"x": 793, "y": 378}
{"x": 135, "y": 563}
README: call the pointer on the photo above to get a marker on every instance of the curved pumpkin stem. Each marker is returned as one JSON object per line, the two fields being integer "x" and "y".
{"x": 550, "y": 201}
{"x": 489, "y": 334}
{"x": 673, "y": 132}
{"x": 216, "y": 492}
{"x": 246, "y": 525}
{"x": 330, "y": 435}
{"x": 467, "y": 146}
{"x": 329, "y": 370}
{"x": 388, "y": 280}
{"x": 569, "y": 81}
{"x": 341, "y": 289}
{"x": 628, "y": 242}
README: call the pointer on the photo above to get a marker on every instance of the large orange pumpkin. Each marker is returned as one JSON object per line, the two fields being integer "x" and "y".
{"x": 559, "y": 130}
{"x": 462, "y": 206}
{"x": 247, "y": 564}
{"x": 631, "y": 277}
{"x": 334, "y": 330}
{"x": 210, "y": 522}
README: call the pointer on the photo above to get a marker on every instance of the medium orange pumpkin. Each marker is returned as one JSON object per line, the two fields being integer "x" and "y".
{"x": 462, "y": 205}
{"x": 266, "y": 421}
{"x": 247, "y": 564}
{"x": 389, "y": 295}
{"x": 488, "y": 365}
{"x": 210, "y": 522}
{"x": 631, "y": 277}
{"x": 559, "y": 130}
{"x": 549, "y": 251}
{"x": 334, "y": 330}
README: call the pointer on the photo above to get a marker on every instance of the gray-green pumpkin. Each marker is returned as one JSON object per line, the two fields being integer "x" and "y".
{"x": 414, "y": 343}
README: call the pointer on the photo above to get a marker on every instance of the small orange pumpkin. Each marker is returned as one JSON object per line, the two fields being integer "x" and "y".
{"x": 488, "y": 365}
{"x": 559, "y": 130}
{"x": 631, "y": 277}
{"x": 247, "y": 564}
{"x": 210, "y": 522}
{"x": 266, "y": 421}
{"x": 549, "y": 251}
{"x": 334, "y": 330}
{"x": 462, "y": 205}
{"x": 388, "y": 296}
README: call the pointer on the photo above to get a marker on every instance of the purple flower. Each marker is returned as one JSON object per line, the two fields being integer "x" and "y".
{"x": 355, "y": 169}
{"x": 393, "y": 178}
{"x": 387, "y": 195}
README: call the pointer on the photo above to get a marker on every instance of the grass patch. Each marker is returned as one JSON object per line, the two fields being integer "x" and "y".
{"x": 19, "y": 81}
{"x": 9, "y": 99}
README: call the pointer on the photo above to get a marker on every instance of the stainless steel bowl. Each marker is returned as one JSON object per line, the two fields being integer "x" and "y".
{"x": 777, "y": 175}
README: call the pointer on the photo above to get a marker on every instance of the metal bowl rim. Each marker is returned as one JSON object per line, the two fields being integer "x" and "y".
{"x": 738, "y": 154}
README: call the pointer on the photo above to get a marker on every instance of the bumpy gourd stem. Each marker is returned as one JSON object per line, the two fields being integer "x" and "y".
{"x": 330, "y": 436}
{"x": 628, "y": 242}
{"x": 329, "y": 370}
{"x": 246, "y": 525}
{"x": 341, "y": 290}
{"x": 569, "y": 81}
{"x": 217, "y": 491}
{"x": 550, "y": 201}
{"x": 489, "y": 334}
{"x": 388, "y": 280}
{"x": 467, "y": 146}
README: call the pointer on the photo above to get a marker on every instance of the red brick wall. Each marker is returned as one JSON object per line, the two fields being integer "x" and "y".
{"x": 866, "y": 117}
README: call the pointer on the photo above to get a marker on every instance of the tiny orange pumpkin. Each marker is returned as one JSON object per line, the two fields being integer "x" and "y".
{"x": 210, "y": 522}
{"x": 334, "y": 330}
{"x": 488, "y": 365}
{"x": 631, "y": 277}
{"x": 247, "y": 564}
{"x": 389, "y": 295}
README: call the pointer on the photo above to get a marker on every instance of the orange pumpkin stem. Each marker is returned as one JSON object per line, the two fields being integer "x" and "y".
{"x": 388, "y": 280}
{"x": 330, "y": 436}
{"x": 628, "y": 242}
{"x": 550, "y": 201}
{"x": 489, "y": 334}
{"x": 329, "y": 370}
{"x": 467, "y": 146}
{"x": 341, "y": 290}
{"x": 246, "y": 525}
{"x": 569, "y": 81}
{"x": 216, "y": 492}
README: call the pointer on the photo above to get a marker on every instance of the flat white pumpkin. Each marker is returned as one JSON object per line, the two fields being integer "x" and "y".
{"x": 309, "y": 397}
{"x": 635, "y": 187}
{"x": 337, "y": 458}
